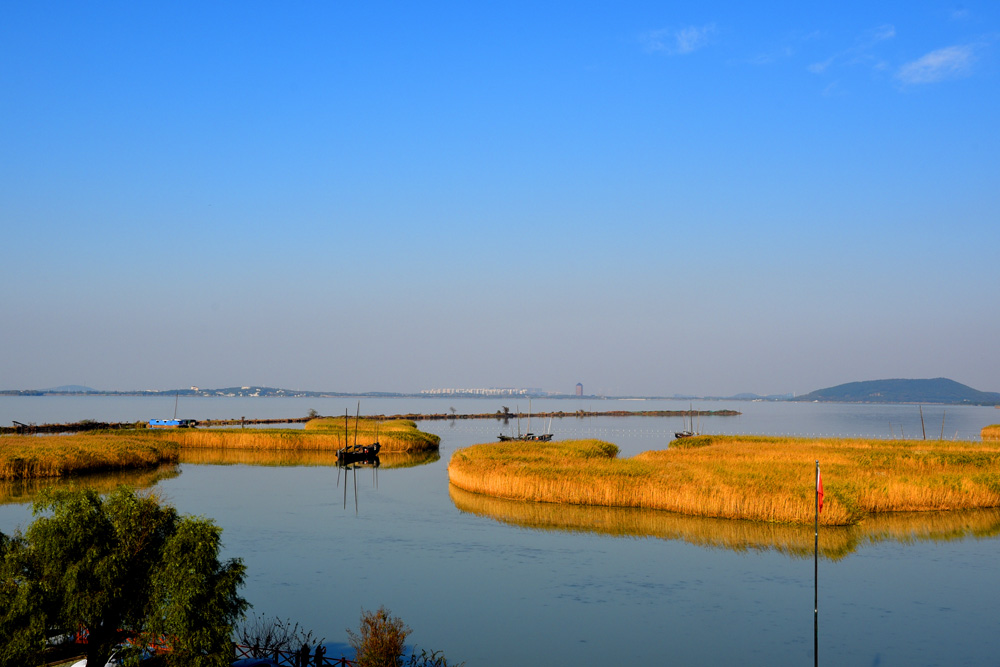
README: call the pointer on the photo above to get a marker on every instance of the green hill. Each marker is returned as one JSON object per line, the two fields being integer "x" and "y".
{"x": 937, "y": 390}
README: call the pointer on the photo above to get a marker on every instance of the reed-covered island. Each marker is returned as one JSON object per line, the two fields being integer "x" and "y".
{"x": 742, "y": 477}
{"x": 40, "y": 456}
{"x": 991, "y": 432}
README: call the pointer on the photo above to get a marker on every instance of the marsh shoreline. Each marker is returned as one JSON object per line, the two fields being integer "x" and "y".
{"x": 88, "y": 425}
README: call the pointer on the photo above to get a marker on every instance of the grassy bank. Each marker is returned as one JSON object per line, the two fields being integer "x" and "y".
{"x": 23, "y": 457}
{"x": 991, "y": 432}
{"x": 736, "y": 477}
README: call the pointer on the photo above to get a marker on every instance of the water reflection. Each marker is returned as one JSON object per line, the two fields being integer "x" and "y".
{"x": 295, "y": 457}
{"x": 736, "y": 535}
{"x": 24, "y": 490}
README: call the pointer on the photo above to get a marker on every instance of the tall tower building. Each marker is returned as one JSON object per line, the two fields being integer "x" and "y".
{"x": 579, "y": 389}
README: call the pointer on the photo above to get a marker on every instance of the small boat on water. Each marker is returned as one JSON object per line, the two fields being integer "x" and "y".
{"x": 359, "y": 454}
{"x": 173, "y": 423}
{"x": 688, "y": 432}
{"x": 529, "y": 436}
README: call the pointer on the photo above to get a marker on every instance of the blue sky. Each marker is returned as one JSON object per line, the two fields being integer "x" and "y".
{"x": 642, "y": 197}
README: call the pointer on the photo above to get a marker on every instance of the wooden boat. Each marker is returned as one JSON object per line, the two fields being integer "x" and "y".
{"x": 359, "y": 454}
{"x": 529, "y": 436}
{"x": 689, "y": 432}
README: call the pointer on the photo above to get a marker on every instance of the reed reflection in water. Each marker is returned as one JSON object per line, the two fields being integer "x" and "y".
{"x": 25, "y": 490}
{"x": 835, "y": 542}
{"x": 296, "y": 457}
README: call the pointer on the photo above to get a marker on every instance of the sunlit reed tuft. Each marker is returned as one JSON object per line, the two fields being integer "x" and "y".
{"x": 58, "y": 455}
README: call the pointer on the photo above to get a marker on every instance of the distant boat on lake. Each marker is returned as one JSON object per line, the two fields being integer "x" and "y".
{"x": 689, "y": 432}
{"x": 173, "y": 423}
{"x": 357, "y": 454}
{"x": 529, "y": 436}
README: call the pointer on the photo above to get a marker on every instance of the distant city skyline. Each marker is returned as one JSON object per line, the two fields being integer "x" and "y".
{"x": 649, "y": 199}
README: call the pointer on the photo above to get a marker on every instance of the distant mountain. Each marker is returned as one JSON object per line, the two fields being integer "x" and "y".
{"x": 70, "y": 389}
{"x": 937, "y": 390}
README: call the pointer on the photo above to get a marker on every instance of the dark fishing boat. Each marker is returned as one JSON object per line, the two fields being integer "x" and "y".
{"x": 690, "y": 432}
{"x": 359, "y": 454}
{"x": 529, "y": 436}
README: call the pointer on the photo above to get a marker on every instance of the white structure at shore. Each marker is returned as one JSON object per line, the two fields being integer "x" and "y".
{"x": 492, "y": 391}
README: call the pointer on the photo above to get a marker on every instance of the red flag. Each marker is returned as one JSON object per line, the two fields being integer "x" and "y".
{"x": 819, "y": 489}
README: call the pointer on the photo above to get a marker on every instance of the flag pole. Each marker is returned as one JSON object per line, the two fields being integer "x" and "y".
{"x": 816, "y": 573}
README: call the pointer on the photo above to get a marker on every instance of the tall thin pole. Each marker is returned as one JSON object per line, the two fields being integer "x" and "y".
{"x": 816, "y": 574}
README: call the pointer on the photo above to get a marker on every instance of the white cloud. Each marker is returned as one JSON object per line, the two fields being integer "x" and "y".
{"x": 681, "y": 41}
{"x": 861, "y": 52}
{"x": 948, "y": 63}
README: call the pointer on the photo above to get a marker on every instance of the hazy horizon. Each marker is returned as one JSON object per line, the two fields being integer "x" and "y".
{"x": 649, "y": 200}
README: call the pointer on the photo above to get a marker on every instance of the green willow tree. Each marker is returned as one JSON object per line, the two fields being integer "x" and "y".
{"x": 120, "y": 566}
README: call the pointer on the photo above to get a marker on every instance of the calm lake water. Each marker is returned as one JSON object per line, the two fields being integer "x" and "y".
{"x": 512, "y": 583}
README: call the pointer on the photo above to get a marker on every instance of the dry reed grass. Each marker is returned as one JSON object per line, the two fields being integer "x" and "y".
{"x": 318, "y": 434}
{"x": 835, "y": 542}
{"x": 991, "y": 432}
{"x": 28, "y": 456}
{"x": 737, "y": 477}
{"x": 31, "y": 456}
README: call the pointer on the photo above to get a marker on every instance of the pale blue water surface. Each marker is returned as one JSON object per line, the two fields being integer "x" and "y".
{"x": 491, "y": 593}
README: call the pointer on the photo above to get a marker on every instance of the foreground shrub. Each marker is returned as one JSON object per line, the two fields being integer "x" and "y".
{"x": 381, "y": 639}
{"x": 121, "y": 566}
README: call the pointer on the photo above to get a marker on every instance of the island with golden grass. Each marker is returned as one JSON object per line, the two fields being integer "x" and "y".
{"x": 759, "y": 478}
{"x": 991, "y": 432}
{"x": 52, "y": 456}
{"x": 26, "y": 456}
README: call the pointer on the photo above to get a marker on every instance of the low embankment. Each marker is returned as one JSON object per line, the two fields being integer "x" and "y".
{"x": 741, "y": 477}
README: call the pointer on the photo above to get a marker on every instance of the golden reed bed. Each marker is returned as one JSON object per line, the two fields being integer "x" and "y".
{"x": 48, "y": 456}
{"x": 325, "y": 434}
{"x": 26, "y": 456}
{"x": 741, "y": 477}
{"x": 991, "y": 432}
